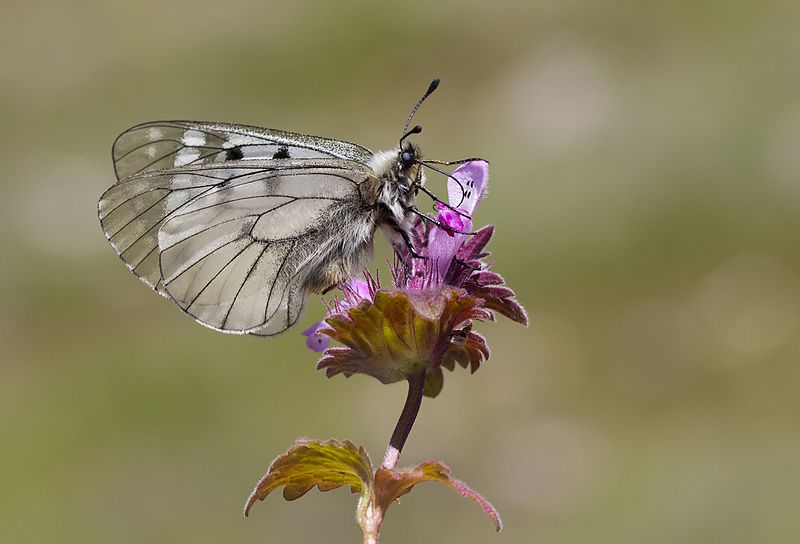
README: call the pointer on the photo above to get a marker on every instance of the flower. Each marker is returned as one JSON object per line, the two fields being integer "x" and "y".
{"x": 425, "y": 322}
{"x": 400, "y": 334}
{"x": 449, "y": 218}
{"x": 315, "y": 340}
{"x": 439, "y": 246}
{"x": 354, "y": 290}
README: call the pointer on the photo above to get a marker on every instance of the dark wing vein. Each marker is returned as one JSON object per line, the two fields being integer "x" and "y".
{"x": 198, "y": 261}
{"x": 241, "y": 285}
{"x": 220, "y": 271}
{"x": 137, "y": 216}
{"x": 272, "y": 287}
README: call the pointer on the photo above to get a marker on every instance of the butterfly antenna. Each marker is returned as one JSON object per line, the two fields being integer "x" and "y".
{"x": 459, "y": 161}
{"x": 431, "y": 88}
{"x": 416, "y": 130}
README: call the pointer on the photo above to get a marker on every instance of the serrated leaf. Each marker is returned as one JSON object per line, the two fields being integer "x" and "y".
{"x": 390, "y": 485}
{"x": 332, "y": 463}
{"x": 325, "y": 464}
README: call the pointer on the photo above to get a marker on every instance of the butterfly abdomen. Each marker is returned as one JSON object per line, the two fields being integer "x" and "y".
{"x": 339, "y": 250}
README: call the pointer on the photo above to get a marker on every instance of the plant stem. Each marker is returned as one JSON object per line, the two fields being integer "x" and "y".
{"x": 369, "y": 519}
{"x": 416, "y": 384}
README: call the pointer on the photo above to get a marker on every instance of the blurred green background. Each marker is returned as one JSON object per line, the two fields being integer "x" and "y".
{"x": 645, "y": 187}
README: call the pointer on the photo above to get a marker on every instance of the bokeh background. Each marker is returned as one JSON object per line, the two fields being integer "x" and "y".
{"x": 645, "y": 188}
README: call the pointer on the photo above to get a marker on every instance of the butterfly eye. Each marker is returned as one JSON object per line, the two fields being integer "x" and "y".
{"x": 407, "y": 157}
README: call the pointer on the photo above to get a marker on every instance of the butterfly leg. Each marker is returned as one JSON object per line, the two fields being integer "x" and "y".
{"x": 329, "y": 289}
{"x": 442, "y": 226}
{"x": 407, "y": 240}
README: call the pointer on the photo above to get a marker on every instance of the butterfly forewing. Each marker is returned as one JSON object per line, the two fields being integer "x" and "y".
{"x": 226, "y": 242}
{"x": 166, "y": 144}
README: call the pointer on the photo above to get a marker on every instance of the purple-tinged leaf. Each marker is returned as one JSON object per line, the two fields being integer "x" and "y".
{"x": 473, "y": 247}
{"x": 486, "y": 277}
{"x": 493, "y": 291}
{"x": 479, "y": 342}
{"x": 331, "y": 464}
{"x": 469, "y": 353}
{"x": 480, "y": 314}
{"x": 390, "y": 485}
{"x": 326, "y": 465}
{"x": 510, "y": 308}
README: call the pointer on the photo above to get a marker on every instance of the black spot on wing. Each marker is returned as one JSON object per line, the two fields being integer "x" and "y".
{"x": 282, "y": 153}
{"x": 234, "y": 154}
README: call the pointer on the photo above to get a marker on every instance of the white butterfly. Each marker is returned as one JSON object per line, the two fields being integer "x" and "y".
{"x": 235, "y": 224}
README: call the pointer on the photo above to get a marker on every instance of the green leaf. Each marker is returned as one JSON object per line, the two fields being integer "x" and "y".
{"x": 325, "y": 464}
{"x": 390, "y": 485}
{"x": 333, "y": 463}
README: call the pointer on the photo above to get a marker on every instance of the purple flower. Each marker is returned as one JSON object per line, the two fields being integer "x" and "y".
{"x": 449, "y": 218}
{"x": 315, "y": 340}
{"x": 464, "y": 196}
{"x": 354, "y": 291}
{"x": 425, "y": 322}
{"x": 456, "y": 259}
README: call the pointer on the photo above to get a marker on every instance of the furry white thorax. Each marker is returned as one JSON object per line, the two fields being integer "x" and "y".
{"x": 395, "y": 192}
{"x": 383, "y": 162}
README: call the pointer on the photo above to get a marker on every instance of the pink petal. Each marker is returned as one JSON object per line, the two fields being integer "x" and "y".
{"x": 359, "y": 288}
{"x": 444, "y": 245}
{"x": 449, "y": 218}
{"x": 474, "y": 176}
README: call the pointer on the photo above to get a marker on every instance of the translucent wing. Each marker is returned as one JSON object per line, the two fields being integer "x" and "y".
{"x": 166, "y": 144}
{"x": 226, "y": 242}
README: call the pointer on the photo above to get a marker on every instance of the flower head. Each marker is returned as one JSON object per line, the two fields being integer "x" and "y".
{"x": 400, "y": 334}
{"x": 425, "y": 322}
{"x": 354, "y": 291}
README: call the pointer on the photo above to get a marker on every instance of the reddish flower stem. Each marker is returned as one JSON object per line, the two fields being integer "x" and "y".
{"x": 416, "y": 384}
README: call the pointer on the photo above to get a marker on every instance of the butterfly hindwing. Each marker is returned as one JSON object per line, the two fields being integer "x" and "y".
{"x": 132, "y": 212}
{"x": 167, "y": 144}
{"x": 226, "y": 242}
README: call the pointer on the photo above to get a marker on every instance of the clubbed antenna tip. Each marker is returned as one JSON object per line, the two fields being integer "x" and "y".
{"x": 431, "y": 88}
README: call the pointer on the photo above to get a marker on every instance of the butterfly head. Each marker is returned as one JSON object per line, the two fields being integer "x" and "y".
{"x": 407, "y": 157}
{"x": 409, "y": 171}
{"x": 407, "y": 176}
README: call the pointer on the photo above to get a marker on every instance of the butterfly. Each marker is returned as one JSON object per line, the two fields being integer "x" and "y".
{"x": 237, "y": 224}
